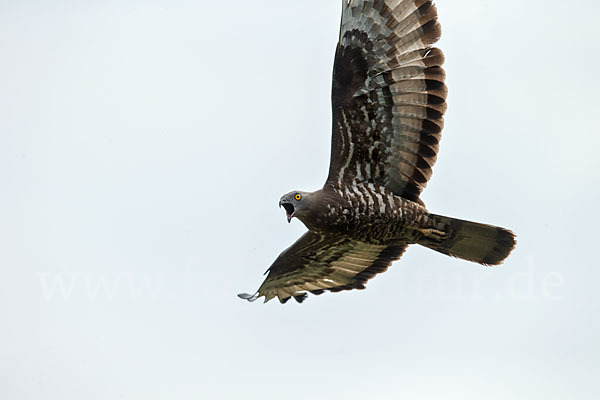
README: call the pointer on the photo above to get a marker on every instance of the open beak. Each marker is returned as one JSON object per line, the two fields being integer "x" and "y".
{"x": 289, "y": 209}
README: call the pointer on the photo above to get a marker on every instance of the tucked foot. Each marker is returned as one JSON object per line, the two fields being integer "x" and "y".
{"x": 433, "y": 233}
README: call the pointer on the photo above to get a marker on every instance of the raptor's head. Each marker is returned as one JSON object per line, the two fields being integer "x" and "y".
{"x": 296, "y": 204}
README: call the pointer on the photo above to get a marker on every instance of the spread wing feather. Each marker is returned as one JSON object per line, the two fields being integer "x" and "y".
{"x": 388, "y": 95}
{"x": 317, "y": 263}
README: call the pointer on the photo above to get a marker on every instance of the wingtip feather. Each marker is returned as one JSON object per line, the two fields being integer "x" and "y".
{"x": 249, "y": 297}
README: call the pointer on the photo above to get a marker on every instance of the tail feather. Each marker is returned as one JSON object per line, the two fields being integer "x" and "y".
{"x": 480, "y": 243}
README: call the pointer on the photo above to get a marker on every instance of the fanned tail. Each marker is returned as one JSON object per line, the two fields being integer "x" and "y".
{"x": 472, "y": 241}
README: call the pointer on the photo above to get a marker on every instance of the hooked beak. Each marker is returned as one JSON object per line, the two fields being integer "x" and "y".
{"x": 289, "y": 209}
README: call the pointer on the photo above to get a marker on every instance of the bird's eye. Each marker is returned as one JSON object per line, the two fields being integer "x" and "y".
{"x": 298, "y": 197}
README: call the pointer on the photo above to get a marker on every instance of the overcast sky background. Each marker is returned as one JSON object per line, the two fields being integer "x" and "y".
{"x": 144, "y": 146}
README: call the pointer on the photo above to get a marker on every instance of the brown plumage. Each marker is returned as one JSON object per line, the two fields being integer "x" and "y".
{"x": 388, "y": 103}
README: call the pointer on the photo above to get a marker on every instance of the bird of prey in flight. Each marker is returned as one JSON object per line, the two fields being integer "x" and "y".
{"x": 388, "y": 100}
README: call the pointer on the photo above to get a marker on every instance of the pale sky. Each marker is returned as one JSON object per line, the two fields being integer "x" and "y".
{"x": 144, "y": 146}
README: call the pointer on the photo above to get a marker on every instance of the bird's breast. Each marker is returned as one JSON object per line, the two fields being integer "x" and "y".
{"x": 363, "y": 211}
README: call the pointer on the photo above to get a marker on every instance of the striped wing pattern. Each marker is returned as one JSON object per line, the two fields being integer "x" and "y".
{"x": 388, "y": 95}
{"x": 317, "y": 263}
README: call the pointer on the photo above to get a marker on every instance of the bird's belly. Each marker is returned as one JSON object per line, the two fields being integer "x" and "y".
{"x": 374, "y": 216}
{"x": 382, "y": 230}
{"x": 376, "y": 228}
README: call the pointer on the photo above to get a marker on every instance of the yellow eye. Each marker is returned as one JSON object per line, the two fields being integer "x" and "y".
{"x": 298, "y": 196}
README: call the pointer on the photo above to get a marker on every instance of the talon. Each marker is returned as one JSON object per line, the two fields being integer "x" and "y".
{"x": 433, "y": 233}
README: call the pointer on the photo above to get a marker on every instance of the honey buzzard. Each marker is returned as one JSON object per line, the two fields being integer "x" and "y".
{"x": 388, "y": 100}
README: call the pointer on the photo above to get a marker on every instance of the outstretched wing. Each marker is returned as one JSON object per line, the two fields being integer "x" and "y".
{"x": 388, "y": 95}
{"x": 317, "y": 263}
